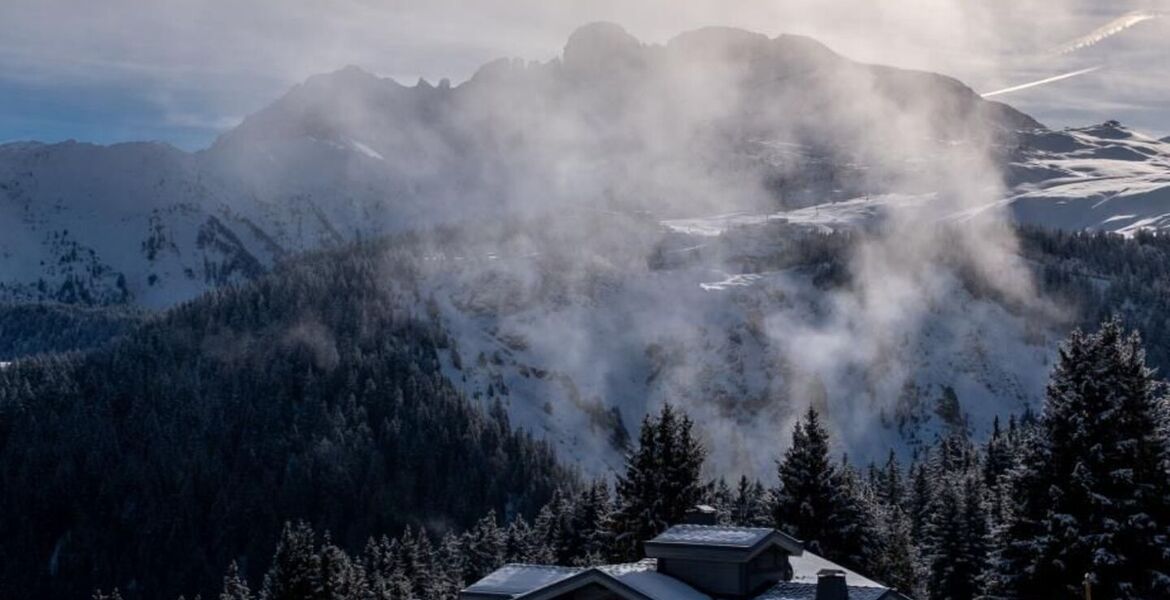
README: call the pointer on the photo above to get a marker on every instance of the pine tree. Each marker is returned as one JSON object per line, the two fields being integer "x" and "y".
{"x": 450, "y": 567}
{"x": 956, "y": 539}
{"x": 583, "y": 537}
{"x": 340, "y": 577}
{"x": 661, "y": 482}
{"x": 721, "y": 498}
{"x": 921, "y": 496}
{"x": 850, "y": 537}
{"x": 485, "y": 546}
{"x": 750, "y": 505}
{"x": 896, "y": 560}
{"x": 803, "y": 502}
{"x": 295, "y": 570}
{"x": 234, "y": 585}
{"x": 1092, "y": 500}
{"x": 889, "y": 485}
{"x": 545, "y": 533}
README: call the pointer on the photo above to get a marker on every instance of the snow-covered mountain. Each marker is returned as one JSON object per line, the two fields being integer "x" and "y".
{"x": 1104, "y": 177}
{"x": 764, "y": 122}
{"x": 629, "y": 293}
{"x": 742, "y": 327}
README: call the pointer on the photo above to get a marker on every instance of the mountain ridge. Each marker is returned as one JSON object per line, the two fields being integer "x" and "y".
{"x": 349, "y": 155}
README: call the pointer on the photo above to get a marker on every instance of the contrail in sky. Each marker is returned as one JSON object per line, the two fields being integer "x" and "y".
{"x": 1024, "y": 86}
{"x": 1106, "y": 31}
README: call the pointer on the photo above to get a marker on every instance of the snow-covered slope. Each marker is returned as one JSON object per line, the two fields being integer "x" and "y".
{"x": 1104, "y": 177}
{"x": 349, "y": 155}
{"x": 632, "y": 294}
{"x": 578, "y": 352}
{"x": 1100, "y": 178}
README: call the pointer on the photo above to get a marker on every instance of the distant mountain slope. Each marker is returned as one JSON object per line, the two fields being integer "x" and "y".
{"x": 1104, "y": 177}
{"x": 717, "y": 119}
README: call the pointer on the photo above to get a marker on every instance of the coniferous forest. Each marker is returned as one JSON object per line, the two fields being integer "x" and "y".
{"x": 295, "y": 438}
{"x": 1076, "y": 493}
{"x": 155, "y": 461}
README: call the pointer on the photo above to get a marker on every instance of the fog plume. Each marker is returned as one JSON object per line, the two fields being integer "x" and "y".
{"x": 570, "y": 284}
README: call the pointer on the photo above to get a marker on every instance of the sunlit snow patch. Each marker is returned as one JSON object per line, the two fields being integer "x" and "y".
{"x": 740, "y": 280}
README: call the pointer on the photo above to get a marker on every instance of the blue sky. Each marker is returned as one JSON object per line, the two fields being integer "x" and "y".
{"x": 183, "y": 71}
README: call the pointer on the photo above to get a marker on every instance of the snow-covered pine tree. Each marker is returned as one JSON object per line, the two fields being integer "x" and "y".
{"x": 1091, "y": 499}
{"x": 1018, "y": 535}
{"x": 850, "y": 537}
{"x": 661, "y": 482}
{"x": 889, "y": 487}
{"x": 750, "y": 504}
{"x": 682, "y": 464}
{"x": 920, "y": 498}
{"x": 585, "y": 535}
{"x": 896, "y": 561}
{"x": 234, "y": 585}
{"x": 955, "y": 542}
{"x": 295, "y": 570}
{"x": 803, "y": 500}
{"x": 450, "y": 567}
{"x": 340, "y": 577}
{"x": 721, "y": 498}
{"x": 485, "y": 547}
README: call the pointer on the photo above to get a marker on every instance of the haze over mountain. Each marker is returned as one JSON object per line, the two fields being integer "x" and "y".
{"x": 628, "y": 226}
{"x": 767, "y": 123}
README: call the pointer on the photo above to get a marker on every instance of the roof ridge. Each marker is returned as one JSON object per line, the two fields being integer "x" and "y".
{"x": 544, "y": 567}
{"x": 700, "y": 526}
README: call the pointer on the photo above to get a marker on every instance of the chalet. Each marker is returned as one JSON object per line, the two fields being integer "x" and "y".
{"x": 692, "y": 562}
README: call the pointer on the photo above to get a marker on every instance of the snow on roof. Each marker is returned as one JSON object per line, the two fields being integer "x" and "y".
{"x": 517, "y": 579}
{"x": 806, "y": 566}
{"x": 513, "y": 579}
{"x": 791, "y": 590}
{"x": 713, "y": 535}
{"x": 643, "y": 577}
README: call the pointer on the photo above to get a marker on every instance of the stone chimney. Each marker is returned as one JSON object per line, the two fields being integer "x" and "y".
{"x": 702, "y": 514}
{"x": 831, "y": 585}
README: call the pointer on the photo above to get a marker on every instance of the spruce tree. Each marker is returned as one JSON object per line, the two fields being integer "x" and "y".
{"x": 750, "y": 504}
{"x": 803, "y": 502}
{"x": 661, "y": 482}
{"x": 851, "y": 537}
{"x": 921, "y": 496}
{"x": 486, "y": 547}
{"x": 1092, "y": 498}
{"x": 234, "y": 585}
{"x": 295, "y": 570}
{"x": 955, "y": 544}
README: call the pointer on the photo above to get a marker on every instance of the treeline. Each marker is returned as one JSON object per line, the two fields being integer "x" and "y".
{"x": 1079, "y": 494}
{"x": 38, "y": 328}
{"x": 1102, "y": 275}
{"x": 315, "y": 393}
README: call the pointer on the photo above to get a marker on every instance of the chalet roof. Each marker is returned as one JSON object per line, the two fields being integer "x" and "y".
{"x": 643, "y": 581}
{"x": 631, "y": 581}
{"x": 806, "y": 566}
{"x": 793, "y": 590}
{"x": 708, "y": 535}
{"x": 742, "y": 542}
{"x": 515, "y": 579}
